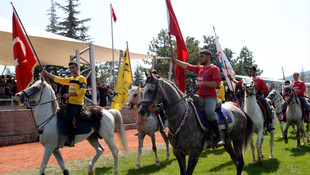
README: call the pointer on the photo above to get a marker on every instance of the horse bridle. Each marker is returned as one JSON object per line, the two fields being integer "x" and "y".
{"x": 291, "y": 95}
{"x": 252, "y": 87}
{"x": 133, "y": 102}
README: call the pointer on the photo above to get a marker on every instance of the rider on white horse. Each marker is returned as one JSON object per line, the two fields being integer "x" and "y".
{"x": 261, "y": 88}
{"x": 77, "y": 89}
{"x": 299, "y": 87}
{"x": 209, "y": 78}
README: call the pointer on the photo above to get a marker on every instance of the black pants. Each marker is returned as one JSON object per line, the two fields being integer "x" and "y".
{"x": 72, "y": 111}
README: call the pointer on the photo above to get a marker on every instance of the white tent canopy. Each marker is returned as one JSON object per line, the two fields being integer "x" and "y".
{"x": 53, "y": 49}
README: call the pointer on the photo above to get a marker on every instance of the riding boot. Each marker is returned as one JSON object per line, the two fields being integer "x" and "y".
{"x": 269, "y": 120}
{"x": 71, "y": 136}
{"x": 215, "y": 128}
{"x": 307, "y": 115}
{"x": 283, "y": 113}
{"x": 162, "y": 122}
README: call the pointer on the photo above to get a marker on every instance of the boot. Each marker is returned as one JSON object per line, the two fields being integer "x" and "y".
{"x": 269, "y": 120}
{"x": 215, "y": 128}
{"x": 283, "y": 114}
{"x": 307, "y": 115}
{"x": 71, "y": 136}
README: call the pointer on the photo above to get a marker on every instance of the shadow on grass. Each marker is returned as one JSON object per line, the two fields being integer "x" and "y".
{"x": 103, "y": 170}
{"x": 268, "y": 167}
{"x": 215, "y": 152}
{"x": 299, "y": 152}
{"x": 221, "y": 166}
{"x": 150, "y": 168}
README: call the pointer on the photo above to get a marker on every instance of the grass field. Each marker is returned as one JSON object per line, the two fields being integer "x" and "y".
{"x": 287, "y": 160}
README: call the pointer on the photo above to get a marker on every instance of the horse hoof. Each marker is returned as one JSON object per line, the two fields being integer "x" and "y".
{"x": 254, "y": 161}
{"x": 286, "y": 141}
{"x": 270, "y": 157}
{"x": 91, "y": 173}
{"x": 298, "y": 147}
{"x": 167, "y": 158}
{"x": 157, "y": 163}
{"x": 308, "y": 140}
{"x": 66, "y": 172}
{"x": 260, "y": 162}
{"x": 137, "y": 168}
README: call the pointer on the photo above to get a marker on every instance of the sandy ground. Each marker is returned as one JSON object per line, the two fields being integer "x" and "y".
{"x": 30, "y": 155}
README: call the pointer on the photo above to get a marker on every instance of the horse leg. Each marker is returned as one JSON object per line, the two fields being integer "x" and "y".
{"x": 231, "y": 152}
{"x": 271, "y": 142}
{"x": 60, "y": 161}
{"x": 281, "y": 126}
{"x": 140, "y": 138}
{"x": 47, "y": 154}
{"x": 154, "y": 148}
{"x": 163, "y": 134}
{"x": 93, "y": 140}
{"x": 238, "y": 144}
{"x": 259, "y": 143}
{"x": 307, "y": 131}
{"x": 192, "y": 162}
{"x": 114, "y": 150}
{"x": 298, "y": 136}
{"x": 285, "y": 131}
{"x": 253, "y": 150}
{"x": 181, "y": 160}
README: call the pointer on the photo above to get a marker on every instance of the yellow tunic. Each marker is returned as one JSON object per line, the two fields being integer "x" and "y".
{"x": 76, "y": 84}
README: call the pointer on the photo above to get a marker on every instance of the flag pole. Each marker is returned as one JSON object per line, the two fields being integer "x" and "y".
{"x": 28, "y": 40}
{"x": 113, "y": 68}
{"x": 129, "y": 59}
{"x": 175, "y": 79}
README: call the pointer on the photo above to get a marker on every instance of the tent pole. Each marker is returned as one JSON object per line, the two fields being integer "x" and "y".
{"x": 93, "y": 73}
{"x": 77, "y": 55}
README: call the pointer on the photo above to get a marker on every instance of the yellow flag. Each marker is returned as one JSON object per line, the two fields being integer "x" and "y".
{"x": 122, "y": 85}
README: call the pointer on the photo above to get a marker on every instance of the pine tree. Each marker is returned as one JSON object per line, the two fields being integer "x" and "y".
{"x": 53, "y": 26}
{"x": 72, "y": 27}
{"x": 244, "y": 61}
{"x": 138, "y": 77}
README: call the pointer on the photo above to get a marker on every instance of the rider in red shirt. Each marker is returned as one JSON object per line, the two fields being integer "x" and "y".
{"x": 209, "y": 78}
{"x": 299, "y": 87}
{"x": 262, "y": 89}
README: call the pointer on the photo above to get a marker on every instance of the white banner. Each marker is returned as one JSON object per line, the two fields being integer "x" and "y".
{"x": 225, "y": 64}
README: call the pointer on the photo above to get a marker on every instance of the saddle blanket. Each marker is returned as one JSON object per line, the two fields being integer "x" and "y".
{"x": 220, "y": 114}
{"x": 80, "y": 127}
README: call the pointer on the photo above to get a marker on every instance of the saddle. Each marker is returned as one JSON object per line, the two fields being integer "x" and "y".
{"x": 88, "y": 117}
{"x": 262, "y": 108}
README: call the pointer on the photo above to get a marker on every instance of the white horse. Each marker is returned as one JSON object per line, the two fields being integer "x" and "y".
{"x": 50, "y": 137}
{"x": 145, "y": 126}
{"x": 253, "y": 110}
{"x": 294, "y": 114}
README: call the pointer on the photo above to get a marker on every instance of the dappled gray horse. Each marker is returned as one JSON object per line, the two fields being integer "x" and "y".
{"x": 185, "y": 133}
{"x": 145, "y": 125}
{"x": 45, "y": 117}
{"x": 294, "y": 115}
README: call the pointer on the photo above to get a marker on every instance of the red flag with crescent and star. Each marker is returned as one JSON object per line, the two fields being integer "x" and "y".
{"x": 24, "y": 59}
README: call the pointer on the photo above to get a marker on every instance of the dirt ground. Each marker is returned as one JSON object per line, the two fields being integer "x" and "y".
{"x": 30, "y": 155}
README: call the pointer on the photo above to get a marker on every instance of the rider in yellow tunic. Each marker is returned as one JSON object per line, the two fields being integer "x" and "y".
{"x": 76, "y": 93}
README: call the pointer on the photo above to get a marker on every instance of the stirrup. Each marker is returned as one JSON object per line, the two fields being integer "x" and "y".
{"x": 69, "y": 143}
{"x": 219, "y": 143}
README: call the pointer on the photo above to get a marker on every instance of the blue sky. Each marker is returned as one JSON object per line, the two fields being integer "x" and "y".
{"x": 276, "y": 31}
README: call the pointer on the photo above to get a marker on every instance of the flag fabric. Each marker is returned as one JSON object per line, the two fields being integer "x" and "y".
{"x": 113, "y": 15}
{"x": 122, "y": 85}
{"x": 182, "y": 52}
{"x": 24, "y": 59}
{"x": 225, "y": 64}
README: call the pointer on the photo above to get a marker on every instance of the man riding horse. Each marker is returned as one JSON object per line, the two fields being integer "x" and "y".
{"x": 261, "y": 88}
{"x": 299, "y": 87}
{"x": 209, "y": 78}
{"x": 77, "y": 89}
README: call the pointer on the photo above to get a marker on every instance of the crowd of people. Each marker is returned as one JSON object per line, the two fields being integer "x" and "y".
{"x": 8, "y": 86}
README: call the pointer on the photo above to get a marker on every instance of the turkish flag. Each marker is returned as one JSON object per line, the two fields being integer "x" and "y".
{"x": 24, "y": 59}
{"x": 113, "y": 15}
{"x": 182, "y": 52}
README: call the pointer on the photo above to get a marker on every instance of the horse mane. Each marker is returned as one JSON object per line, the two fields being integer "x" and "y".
{"x": 169, "y": 82}
{"x": 55, "y": 104}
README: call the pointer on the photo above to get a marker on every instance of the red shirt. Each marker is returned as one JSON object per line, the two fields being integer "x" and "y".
{"x": 259, "y": 85}
{"x": 206, "y": 74}
{"x": 299, "y": 87}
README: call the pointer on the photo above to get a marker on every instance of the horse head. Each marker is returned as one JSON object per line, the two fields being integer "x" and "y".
{"x": 32, "y": 92}
{"x": 248, "y": 86}
{"x": 152, "y": 94}
{"x": 274, "y": 96}
{"x": 289, "y": 95}
{"x": 134, "y": 97}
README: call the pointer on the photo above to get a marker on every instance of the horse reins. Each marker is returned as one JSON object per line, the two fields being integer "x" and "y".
{"x": 134, "y": 111}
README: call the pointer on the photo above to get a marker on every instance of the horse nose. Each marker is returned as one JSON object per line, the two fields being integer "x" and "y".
{"x": 128, "y": 105}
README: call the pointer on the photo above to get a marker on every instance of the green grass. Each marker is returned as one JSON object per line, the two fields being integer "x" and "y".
{"x": 287, "y": 160}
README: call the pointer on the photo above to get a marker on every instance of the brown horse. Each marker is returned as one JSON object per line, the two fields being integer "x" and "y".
{"x": 185, "y": 133}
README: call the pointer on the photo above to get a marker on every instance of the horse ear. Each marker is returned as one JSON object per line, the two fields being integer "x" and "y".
{"x": 151, "y": 75}
{"x": 146, "y": 74}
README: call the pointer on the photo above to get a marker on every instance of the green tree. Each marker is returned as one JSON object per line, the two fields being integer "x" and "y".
{"x": 244, "y": 61}
{"x": 160, "y": 47}
{"x": 138, "y": 79}
{"x": 72, "y": 27}
{"x": 193, "y": 50}
{"x": 53, "y": 26}
{"x": 209, "y": 43}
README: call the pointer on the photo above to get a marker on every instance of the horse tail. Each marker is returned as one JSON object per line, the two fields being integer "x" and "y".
{"x": 120, "y": 128}
{"x": 248, "y": 133}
